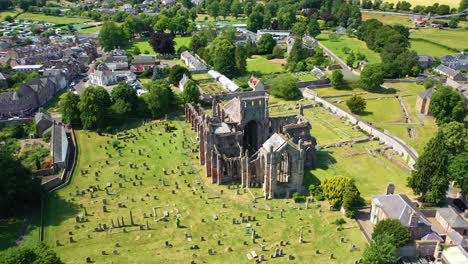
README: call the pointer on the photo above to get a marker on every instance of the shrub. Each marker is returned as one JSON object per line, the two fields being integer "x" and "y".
{"x": 350, "y": 213}
{"x": 340, "y": 221}
{"x": 297, "y": 197}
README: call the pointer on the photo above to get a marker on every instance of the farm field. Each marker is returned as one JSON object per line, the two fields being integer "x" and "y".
{"x": 52, "y": 19}
{"x": 426, "y": 48}
{"x": 353, "y": 43}
{"x": 451, "y": 3}
{"x": 453, "y": 38}
{"x": 11, "y": 13}
{"x": 138, "y": 244}
{"x": 388, "y": 19}
{"x": 261, "y": 64}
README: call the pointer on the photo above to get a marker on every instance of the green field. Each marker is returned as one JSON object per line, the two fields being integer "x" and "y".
{"x": 426, "y": 48}
{"x": 353, "y": 43}
{"x": 52, "y": 19}
{"x": 261, "y": 64}
{"x": 90, "y": 30}
{"x": 181, "y": 41}
{"x": 11, "y": 13}
{"x": 388, "y": 19}
{"x": 146, "y": 48}
{"x": 147, "y": 246}
{"x": 384, "y": 111}
{"x": 451, "y": 3}
{"x": 453, "y": 38}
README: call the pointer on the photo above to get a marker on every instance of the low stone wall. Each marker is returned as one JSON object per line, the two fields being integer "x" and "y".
{"x": 303, "y": 84}
{"x": 229, "y": 96}
{"x": 407, "y": 152}
{"x": 44, "y": 172}
{"x": 412, "y": 80}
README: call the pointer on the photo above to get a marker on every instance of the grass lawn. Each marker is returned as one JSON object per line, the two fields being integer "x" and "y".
{"x": 147, "y": 246}
{"x": 386, "y": 113}
{"x": 306, "y": 77}
{"x": 451, "y": 3}
{"x": 388, "y": 19}
{"x": 261, "y": 64}
{"x": 11, "y": 13}
{"x": 52, "y": 19}
{"x": 371, "y": 173}
{"x": 9, "y": 231}
{"x": 181, "y": 41}
{"x": 353, "y": 43}
{"x": 143, "y": 45}
{"x": 201, "y": 76}
{"x": 454, "y": 38}
{"x": 90, "y": 30}
{"x": 52, "y": 106}
{"x": 422, "y": 47}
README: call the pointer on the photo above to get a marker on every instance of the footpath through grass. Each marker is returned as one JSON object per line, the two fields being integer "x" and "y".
{"x": 147, "y": 187}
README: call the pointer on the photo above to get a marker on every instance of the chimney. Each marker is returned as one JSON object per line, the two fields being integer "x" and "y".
{"x": 390, "y": 189}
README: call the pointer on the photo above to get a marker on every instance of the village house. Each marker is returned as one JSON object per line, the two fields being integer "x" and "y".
{"x": 43, "y": 121}
{"x": 451, "y": 221}
{"x": 183, "y": 81}
{"x": 399, "y": 206}
{"x": 425, "y": 61}
{"x": 308, "y": 44}
{"x": 102, "y": 76}
{"x": 28, "y": 68}
{"x": 457, "y": 62}
{"x": 280, "y": 35}
{"x": 193, "y": 62}
{"x": 450, "y": 73}
{"x": 318, "y": 73}
{"x": 454, "y": 255}
{"x": 4, "y": 80}
{"x": 256, "y": 84}
{"x": 423, "y": 101}
{"x": 143, "y": 63}
{"x": 225, "y": 82}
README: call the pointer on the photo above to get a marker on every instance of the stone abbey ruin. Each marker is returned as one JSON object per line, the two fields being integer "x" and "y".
{"x": 239, "y": 142}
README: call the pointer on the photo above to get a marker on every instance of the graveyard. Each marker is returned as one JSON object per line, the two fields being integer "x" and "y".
{"x": 138, "y": 196}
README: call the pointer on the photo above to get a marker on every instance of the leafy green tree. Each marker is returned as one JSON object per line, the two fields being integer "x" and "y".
{"x": 94, "y": 107}
{"x": 213, "y": 9}
{"x": 351, "y": 196}
{"x": 112, "y": 36}
{"x": 336, "y": 79}
{"x": 372, "y": 77}
{"x": 224, "y": 8}
{"x": 447, "y": 106}
{"x": 236, "y": 8}
{"x": 286, "y": 17}
{"x": 458, "y": 169}
{"x": 453, "y": 23}
{"x": 124, "y": 98}
{"x": 19, "y": 186}
{"x": 334, "y": 189}
{"x": 160, "y": 98}
{"x": 285, "y": 86}
{"x": 176, "y": 73}
{"x": 399, "y": 234}
{"x": 313, "y": 28}
{"x": 229, "y": 32}
{"x": 278, "y": 52}
{"x": 191, "y": 93}
{"x": 300, "y": 27}
{"x": 296, "y": 55}
{"x": 197, "y": 41}
{"x": 463, "y": 5}
{"x": 157, "y": 74}
{"x": 429, "y": 178}
{"x": 255, "y": 21}
{"x": 68, "y": 107}
{"x": 380, "y": 251}
{"x": 241, "y": 59}
{"x": 265, "y": 44}
{"x": 133, "y": 25}
{"x": 350, "y": 59}
{"x": 356, "y": 104}
{"x": 222, "y": 56}
{"x": 36, "y": 254}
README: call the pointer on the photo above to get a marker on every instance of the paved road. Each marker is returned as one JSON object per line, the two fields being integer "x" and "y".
{"x": 347, "y": 73}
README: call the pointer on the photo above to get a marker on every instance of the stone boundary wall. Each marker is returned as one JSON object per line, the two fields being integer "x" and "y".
{"x": 303, "y": 84}
{"x": 398, "y": 145}
{"x": 229, "y": 96}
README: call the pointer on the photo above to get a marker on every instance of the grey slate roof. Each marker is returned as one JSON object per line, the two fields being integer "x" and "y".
{"x": 452, "y": 218}
{"x": 59, "y": 143}
{"x": 447, "y": 70}
{"x": 400, "y": 207}
{"x": 428, "y": 93}
{"x": 458, "y": 239}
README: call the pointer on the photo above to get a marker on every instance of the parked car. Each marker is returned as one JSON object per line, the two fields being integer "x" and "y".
{"x": 460, "y": 204}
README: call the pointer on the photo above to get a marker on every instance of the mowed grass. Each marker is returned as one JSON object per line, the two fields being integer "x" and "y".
{"x": 261, "y": 64}
{"x": 451, "y": 3}
{"x": 11, "y": 13}
{"x": 426, "y": 48}
{"x": 147, "y": 246}
{"x": 52, "y": 19}
{"x": 145, "y": 47}
{"x": 453, "y": 38}
{"x": 371, "y": 173}
{"x": 388, "y": 19}
{"x": 181, "y": 41}
{"x": 384, "y": 111}
{"x": 353, "y": 43}
{"x": 90, "y": 30}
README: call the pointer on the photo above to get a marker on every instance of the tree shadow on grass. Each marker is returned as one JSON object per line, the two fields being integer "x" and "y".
{"x": 365, "y": 113}
{"x": 57, "y": 210}
{"x": 382, "y": 90}
{"x": 324, "y": 160}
